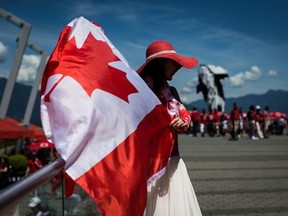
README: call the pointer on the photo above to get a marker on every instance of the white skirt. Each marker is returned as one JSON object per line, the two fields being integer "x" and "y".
{"x": 173, "y": 193}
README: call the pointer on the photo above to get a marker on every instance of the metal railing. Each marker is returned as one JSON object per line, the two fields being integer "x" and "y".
{"x": 13, "y": 193}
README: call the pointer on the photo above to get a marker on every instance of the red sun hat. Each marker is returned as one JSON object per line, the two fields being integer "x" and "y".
{"x": 163, "y": 49}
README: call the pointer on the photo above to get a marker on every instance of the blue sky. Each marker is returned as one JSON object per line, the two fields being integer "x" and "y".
{"x": 247, "y": 39}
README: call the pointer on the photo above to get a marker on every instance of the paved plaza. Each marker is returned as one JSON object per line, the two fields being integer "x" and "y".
{"x": 243, "y": 177}
{"x": 235, "y": 178}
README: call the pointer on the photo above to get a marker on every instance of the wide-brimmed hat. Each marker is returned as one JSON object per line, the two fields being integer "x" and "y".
{"x": 163, "y": 49}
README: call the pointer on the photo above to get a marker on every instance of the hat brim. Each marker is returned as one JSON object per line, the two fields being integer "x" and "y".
{"x": 184, "y": 61}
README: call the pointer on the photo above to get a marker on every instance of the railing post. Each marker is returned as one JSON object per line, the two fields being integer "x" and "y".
{"x": 26, "y": 28}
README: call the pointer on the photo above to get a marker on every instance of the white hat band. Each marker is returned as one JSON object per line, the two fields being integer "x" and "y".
{"x": 161, "y": 52}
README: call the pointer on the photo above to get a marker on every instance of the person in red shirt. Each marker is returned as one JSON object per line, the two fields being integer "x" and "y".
{"x": 195, "y": 117}
{"x": 259, "y": 121}
{"x": 235, "y": 121}
{"x": 210, "y": 124}
{"x": 223, "y": 124}
{"x": 203, "y": 119}
{"x": 34, "y": 163}
{"x": 216, "y": 123}
{"x": 251, "y": 123}
{"x": 267, "y": 122}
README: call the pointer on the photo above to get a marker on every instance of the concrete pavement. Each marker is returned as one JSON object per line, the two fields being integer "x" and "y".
{"x": 243, "y": 177}
{"x": 235, "y": 178}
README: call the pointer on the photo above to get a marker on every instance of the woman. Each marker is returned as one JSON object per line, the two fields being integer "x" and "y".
{"x": 172, "y": 193}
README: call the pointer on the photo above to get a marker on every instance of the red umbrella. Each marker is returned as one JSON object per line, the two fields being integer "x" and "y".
{"x": 12, "y": 129}
{"x": 41, "y": 144}
{"x": 38, "y": 132}
{"x": 277, "y": 114}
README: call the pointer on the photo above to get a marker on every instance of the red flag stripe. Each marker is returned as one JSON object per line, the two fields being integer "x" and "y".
{"x": 120, "y": 179}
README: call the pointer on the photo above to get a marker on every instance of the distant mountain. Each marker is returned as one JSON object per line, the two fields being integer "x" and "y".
{"x": 19, "y": 100}
{"x": 277, "y": 100}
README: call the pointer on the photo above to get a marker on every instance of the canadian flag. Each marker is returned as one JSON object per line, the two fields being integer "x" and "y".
{"x": 107, "y": 125}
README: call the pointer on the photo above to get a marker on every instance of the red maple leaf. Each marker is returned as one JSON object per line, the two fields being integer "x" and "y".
{"x": 89, "y": 67}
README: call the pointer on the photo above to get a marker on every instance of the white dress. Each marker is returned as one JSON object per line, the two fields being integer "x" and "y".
{"x": 172, "y": 194}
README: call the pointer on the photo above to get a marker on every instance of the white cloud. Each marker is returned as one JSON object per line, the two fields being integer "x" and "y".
{"x": 188, "y": 98}
{"x": 187, "y": 90}
{"x": 3, "y": 52}
{"x": 240, "y": 78}
{"x": 254, "y": 74}
{"x": 193, "y": 82}
{"x": 218, "y": 69}
{"x": 190, "y": 86}
{"x": 28, "y": 69}
{"x": 185, "y": 99}
{"x": 237, "y": 80}
{"x": 272, "y": 73}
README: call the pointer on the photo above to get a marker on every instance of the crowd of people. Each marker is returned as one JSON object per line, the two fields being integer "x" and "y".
{"x": 256, "y": 123}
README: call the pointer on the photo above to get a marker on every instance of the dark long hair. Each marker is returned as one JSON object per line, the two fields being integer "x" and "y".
{"x": 155, "y": 69}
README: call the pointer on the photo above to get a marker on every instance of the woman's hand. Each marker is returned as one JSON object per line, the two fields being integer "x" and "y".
{"x": 179, "y": 124}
